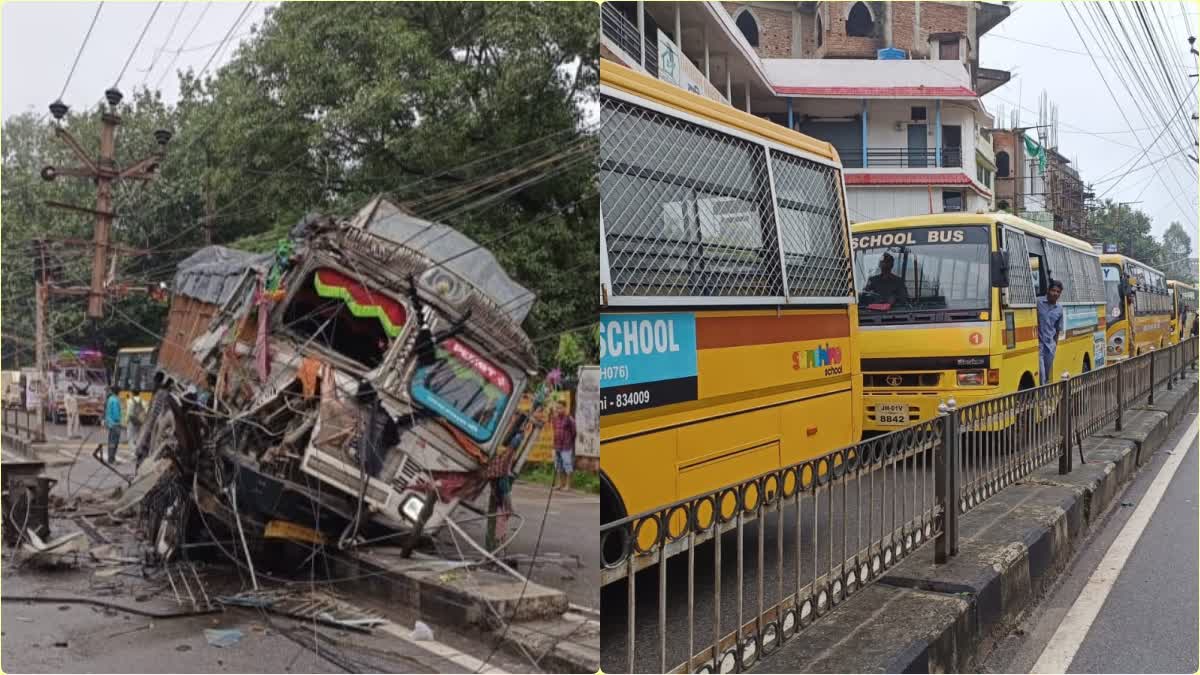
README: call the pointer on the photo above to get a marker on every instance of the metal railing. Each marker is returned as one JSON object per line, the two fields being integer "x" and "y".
{"x": 25, "y": 423}
{"x": 759, "y": 560}
{"x": 624, "y": 33}
{"x": 899, "y": 158}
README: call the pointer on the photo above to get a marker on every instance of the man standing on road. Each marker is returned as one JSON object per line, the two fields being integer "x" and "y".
{"x": 157, "y": 401}
{"x": 1050, "y": 324}
{"x": 71, "y": 403}
{"x": 564, "y": 444}
{"x": 137, "y": 415}
{"x": 112, "y": 420}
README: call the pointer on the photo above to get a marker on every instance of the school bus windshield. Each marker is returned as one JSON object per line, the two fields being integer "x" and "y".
{"x": 921, "y": 270}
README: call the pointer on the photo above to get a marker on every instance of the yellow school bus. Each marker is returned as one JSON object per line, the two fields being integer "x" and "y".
{"x": 134, "y": 373}
{"x": 1183, "y": 310}
{"x": 727, "y": 316}
{"x": 1138, "y": 304}
{"x": 947, "y": 308}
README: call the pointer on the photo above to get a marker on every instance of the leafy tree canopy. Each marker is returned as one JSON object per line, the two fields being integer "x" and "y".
{"x": 468, "y": 113}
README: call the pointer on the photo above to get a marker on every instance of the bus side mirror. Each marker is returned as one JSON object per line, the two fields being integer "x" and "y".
{"x": 1000, "y": 269}
{"x": 1125, "y": 289}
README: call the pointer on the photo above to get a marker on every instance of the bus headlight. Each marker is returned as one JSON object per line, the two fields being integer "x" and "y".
{"x": 1116, "y": 343}
{"x": 970, "y": 378}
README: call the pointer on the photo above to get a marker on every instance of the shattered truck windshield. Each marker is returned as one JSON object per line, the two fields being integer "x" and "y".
{"x": 465, "y": 388}
{"x": 339, "y": 313}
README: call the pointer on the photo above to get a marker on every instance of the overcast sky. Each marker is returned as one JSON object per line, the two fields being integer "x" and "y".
{"x": 1167, "y": 190}
{"x": 40, "y": 41}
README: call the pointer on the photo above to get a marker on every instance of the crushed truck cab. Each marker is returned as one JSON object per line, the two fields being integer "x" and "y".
{"x": 367, "y": 374}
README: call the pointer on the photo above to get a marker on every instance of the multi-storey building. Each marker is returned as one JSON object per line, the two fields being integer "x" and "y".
{"x": 894, "y": 86}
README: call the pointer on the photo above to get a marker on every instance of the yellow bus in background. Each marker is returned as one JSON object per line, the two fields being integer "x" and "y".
{"x": 1138, "y": 304}
{"x": 1183, "y": 310}
{"x": 727, "y": 317}
{"x": 134, "y": 373}
{"x": 947, "y": 308}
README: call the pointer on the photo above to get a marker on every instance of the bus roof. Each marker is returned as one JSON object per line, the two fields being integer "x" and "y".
{"x": 1181, "y": 284}
{"x": 942, "y": 219}
{"x": 619, "y": 77}
{"x": 1118, "y": 258}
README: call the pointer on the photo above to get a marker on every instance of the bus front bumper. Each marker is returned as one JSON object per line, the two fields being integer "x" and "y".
{"x": 885, "y": 411}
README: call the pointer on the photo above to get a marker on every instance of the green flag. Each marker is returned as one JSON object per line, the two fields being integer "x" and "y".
{"x": 1035, "y": 150}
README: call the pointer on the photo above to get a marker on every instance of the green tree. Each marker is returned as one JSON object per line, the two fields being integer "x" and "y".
{"x": 326, "y": 105}
{"x": 1177, "y": 249}
{"x": 1129, "y": 229}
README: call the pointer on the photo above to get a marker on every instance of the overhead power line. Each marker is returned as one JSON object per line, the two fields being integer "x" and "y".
{"x": 138, "y": 43}
{"x": 79, "y": 52}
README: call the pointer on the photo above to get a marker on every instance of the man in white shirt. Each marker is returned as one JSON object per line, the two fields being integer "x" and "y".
{"x": 71, "y": 403}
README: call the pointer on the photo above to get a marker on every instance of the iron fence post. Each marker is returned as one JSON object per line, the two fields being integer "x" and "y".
{"x": 946, "y": 487}
{"x": 1064, "y": 455}
{"x": 1170, "y": 368}
{"x": 1120, "y": 394}
{"x": 1153, "y": 358}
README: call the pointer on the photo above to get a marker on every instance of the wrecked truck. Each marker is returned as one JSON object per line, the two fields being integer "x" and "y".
{"x": 278, "y": 366}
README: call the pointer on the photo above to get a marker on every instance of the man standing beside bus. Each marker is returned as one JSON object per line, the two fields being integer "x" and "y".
{"x": 1050, "y": 324}
{"x": 112, "y": 420}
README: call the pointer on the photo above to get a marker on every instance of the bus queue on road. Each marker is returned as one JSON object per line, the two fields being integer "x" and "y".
{"x": 745, "y": 325}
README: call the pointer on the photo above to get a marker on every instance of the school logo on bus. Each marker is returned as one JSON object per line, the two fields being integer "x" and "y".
{"x": 829, "y": 358}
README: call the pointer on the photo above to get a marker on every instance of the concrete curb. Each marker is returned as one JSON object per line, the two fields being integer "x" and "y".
{"x": 1012, "y": 547}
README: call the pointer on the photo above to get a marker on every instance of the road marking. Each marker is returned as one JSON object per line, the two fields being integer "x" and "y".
{"x": 1065, "y": 643}
{"x": 468, "y": 662}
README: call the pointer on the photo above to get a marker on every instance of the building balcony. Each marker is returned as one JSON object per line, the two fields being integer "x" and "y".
{"x": 621, "y": 35}
{"x": 900, "y": 158}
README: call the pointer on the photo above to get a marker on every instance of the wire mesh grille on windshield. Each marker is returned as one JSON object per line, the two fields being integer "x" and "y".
{"x": 1020, "y": 280}
{"x": 688, "y": 211}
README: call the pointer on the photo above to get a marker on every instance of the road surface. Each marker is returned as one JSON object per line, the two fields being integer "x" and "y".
{"x": 1128, "y": 602}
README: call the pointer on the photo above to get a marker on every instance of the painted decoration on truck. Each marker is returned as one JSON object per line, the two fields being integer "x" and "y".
{"x": 465, "y": 388}
{"x": 361, "y": 301}
{"x": 646, "y": 360}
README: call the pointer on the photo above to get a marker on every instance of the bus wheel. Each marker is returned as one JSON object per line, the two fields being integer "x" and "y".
{"x": 612, "y": 547}
{"x": 1087, "y": 364}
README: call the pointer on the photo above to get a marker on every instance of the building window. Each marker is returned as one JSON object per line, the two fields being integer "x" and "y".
{"x": 917, "y": 114}
{"x": 748, "y": 26}
{"x": 1002, "y": 164}
{"x": 948, "y": 50}
{"x": 859, "y": 22}
{"x": 953, "y": 201}
{"x": 820, "y": 30}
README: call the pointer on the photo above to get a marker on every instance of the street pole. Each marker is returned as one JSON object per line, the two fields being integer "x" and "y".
{"x": 103, "y": 172}
{"x": 1119, "y": 205}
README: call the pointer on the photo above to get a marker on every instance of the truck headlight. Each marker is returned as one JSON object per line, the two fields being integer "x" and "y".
{"x": 411, "y": 508}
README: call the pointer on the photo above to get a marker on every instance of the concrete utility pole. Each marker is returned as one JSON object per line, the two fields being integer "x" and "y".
{"x": 40, "y": 290}
{"x": 1119, "y": 205}
{"x": 104, "y": 172}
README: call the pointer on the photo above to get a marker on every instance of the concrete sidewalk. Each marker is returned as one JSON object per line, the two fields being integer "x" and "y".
{"x": 921, "y": 617}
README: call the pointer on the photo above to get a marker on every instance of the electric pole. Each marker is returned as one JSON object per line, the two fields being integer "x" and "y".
{"x": 104, "y": 172}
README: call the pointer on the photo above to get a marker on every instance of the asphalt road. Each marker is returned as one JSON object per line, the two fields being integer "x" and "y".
{"x": 1149, "y": 621}
{"x": 73, "y": 638}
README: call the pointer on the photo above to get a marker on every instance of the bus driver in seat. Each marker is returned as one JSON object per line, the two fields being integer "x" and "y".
{"x": 887, "y": 286}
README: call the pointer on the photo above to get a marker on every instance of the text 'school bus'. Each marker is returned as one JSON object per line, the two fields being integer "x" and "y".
{"x": 1183, "y": 311}
{"x": 947, "y": 308}
{"x": 1138, "y": 305}
{"x": 727, "y": 322}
